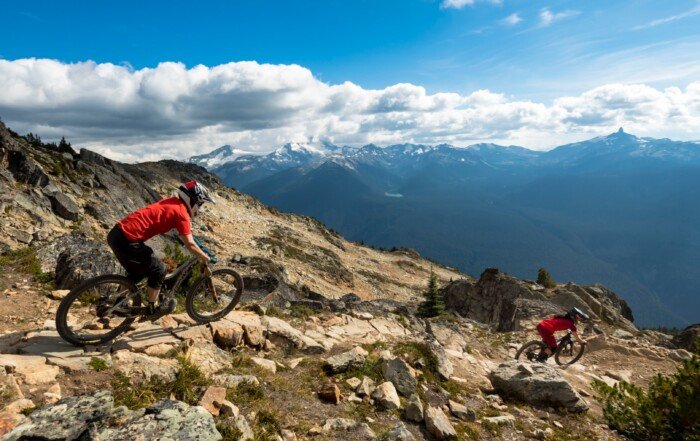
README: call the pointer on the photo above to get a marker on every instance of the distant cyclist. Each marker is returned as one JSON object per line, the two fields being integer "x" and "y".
{"x": 127, "y": 239}
{"x": 549, "y": 326}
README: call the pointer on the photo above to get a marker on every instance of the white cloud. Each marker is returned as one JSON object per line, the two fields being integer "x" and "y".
{"x": 548, "y": 17}
{"x": 512, "y": 19}
{"x": 459, "y": 4}
{"x": 174, "y": 111}
{"x": 671, "y": 18}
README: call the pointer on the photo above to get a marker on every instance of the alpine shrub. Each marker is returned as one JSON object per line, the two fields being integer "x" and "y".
{"x": 545, "y": 279}
{"x": 668, "y": 410}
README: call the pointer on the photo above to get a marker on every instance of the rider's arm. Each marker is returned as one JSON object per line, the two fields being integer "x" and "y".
{"x": 192, "y": 247}
{"x": 578, "y": 339}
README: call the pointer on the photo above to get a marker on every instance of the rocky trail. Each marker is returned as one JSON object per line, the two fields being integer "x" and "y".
{"x": 360, "y": 370}
{"x": 325, "y": 344}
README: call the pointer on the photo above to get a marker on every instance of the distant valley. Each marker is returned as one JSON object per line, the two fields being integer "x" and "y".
{"x": 618, "y": 209}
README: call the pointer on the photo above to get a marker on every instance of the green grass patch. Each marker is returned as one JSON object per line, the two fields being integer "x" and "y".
{"x": 372, "y": 368}
{"x": 267, "y": 425}
{"x": 467, "y": 431}
{"x": 187, "y": 386}
{"x": 245, "y": 394}
{"x": 228, "y": 431}
{"x": 24, "y": 261}
{"x": 28, "y": 411}
{"x": 98, "y": 364}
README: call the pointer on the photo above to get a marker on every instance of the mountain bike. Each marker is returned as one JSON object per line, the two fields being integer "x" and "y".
{"x": 101, "y": 308}
{"x": 568, "y": 351}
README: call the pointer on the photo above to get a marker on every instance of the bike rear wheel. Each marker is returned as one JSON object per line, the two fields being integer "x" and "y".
{"x": 531, "y": 351}
{"x": 569, "y": 353}
{"x": 213, "y": 297}
{"x": 98, "y": 310}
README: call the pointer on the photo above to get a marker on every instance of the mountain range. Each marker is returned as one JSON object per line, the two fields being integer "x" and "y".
{"x": 616, "y": 209}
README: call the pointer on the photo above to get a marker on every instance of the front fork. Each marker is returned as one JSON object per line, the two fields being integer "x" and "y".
{"x": 210, "y": 280}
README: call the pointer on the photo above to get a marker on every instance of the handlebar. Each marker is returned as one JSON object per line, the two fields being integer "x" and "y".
{"x": 206, "y": 250}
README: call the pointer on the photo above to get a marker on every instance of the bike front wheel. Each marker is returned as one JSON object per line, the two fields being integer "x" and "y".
{"x": 214, "y": 296}
{"x": 98, "y": 310}
{"x": 531, "y": 351}
{"x": 569, "y": 353}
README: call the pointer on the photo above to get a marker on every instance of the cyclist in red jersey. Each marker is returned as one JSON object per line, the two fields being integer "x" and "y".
{"x": 127, "y": 239}
{"x": 548, "y": 327}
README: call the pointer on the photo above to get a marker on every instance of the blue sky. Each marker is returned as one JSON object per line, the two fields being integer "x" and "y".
{"x": 526, "y": 50}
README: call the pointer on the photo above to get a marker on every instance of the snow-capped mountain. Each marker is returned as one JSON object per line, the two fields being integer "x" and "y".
{"x": 618, "y": 208}
{"x": 217, "y": 157}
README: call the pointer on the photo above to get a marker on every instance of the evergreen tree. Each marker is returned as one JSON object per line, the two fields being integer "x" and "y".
{"x": 64, "y": 146}
{"x": 545, "y": 279}
{"x": 433, "y": 305}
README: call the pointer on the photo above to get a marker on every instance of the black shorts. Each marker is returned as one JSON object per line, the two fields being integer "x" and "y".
{"x": 137, "y": 258}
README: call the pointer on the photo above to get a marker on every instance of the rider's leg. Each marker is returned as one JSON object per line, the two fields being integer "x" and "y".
{"x": 548, "y": 339}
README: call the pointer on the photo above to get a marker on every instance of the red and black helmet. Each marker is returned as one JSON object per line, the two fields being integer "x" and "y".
{"x": 576, "y": 314}
{"x": 194, "y": 194}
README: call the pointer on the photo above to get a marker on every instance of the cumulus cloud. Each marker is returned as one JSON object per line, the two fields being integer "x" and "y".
{"x": 512, "y": 19}
{"x": 548, "y": 17}
{"x": 174, "y": 111}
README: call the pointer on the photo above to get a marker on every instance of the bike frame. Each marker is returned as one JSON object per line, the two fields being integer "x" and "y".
{"x": 180, "y": 274}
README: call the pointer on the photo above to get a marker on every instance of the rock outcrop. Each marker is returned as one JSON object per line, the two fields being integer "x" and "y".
{"x": 95, "y": 417}
{"x": 687, "y": 338}
{"x": 504, "y": 301}
{"x": 537, "y": 384}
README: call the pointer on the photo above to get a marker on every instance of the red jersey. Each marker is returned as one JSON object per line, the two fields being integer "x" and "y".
{"x": 155, "y": 219}
{"x": 555, "y": 324}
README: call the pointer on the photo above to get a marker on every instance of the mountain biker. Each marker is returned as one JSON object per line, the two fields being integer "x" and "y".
{"x": 127, "y": 237}
{"x": 548, "y": 327}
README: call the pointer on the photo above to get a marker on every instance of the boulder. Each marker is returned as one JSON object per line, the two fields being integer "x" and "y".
{"x": 460, "y": 411}
{"x": 281, "y": 329}
{"x": 94, "y": 417}
{"x": 401, "y": 374}
{"x": 80, "y": 259}
{"x": 227, "y": 335}
{"x": 9, "y": 421}
{"x": 140, "y": 367}
{"x": 500, "y": 420}
{"x": 24, "y": 169}
{"x": 338, "y": 424}
{"x": 385, "y": 395}
{"x": 33, "y": 368}
{"x": 445, "y": 367}
{"x": 208, "y": 357}
{"x": 342, "y": 362}
{"x": 200, "y": 333}
{"x": 438, "y": 425}
{"x": 212, "y": 399}
{"x": 64, "y": 205}
{"x": 687, "y": 337}
{"x": 400, "y": 433}
{"x": 414, "y": 409}
{"x": 330, "y": 392}
{"x": 543, "y": 387}
{"x": 264, "y": 363}
{"x": 366, "y": 387}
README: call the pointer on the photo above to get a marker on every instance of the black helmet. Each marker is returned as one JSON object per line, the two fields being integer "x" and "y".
{"x": 576, "y": 314}
{"x": 194, "y": 194}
